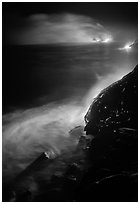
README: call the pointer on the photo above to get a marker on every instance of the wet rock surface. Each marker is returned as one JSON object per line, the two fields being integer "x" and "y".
{"x": 103, "y": 167}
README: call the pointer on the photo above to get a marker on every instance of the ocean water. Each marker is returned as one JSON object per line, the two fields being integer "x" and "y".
{"x": 35, "y": 75}
{"x": 46, "y": 93}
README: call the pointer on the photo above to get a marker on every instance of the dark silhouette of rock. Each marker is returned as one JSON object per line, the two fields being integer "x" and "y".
{"x": 112, "y": 119}
{"x": 116, "y": 106}
{"x": 19, "y": 189}
{"x": 134, "y": 44}
{"x": 113, "y": 115}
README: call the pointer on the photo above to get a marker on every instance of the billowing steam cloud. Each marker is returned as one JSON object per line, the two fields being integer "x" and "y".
{"x": 60, "y": 28}
{"x": 26, "y": 134}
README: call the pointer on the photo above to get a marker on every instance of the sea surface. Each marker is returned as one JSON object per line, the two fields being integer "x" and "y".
{"x": 46, "y": 93}
{"x": 36, "y": 75}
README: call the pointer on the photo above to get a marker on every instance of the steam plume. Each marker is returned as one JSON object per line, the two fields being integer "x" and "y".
{"x": 59, "y": 28}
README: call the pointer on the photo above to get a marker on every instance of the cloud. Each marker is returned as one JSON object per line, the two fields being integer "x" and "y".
{"x": 59, "y": 28}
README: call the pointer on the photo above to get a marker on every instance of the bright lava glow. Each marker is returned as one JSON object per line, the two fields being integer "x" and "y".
{"x": 127, "y": 47}
{"x": 98, "y": 40}
{"x": 107, "y": 40}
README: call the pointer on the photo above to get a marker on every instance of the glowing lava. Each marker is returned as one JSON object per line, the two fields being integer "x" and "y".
{"x": 107, "y": 40}
{"x": 127, "y": 46}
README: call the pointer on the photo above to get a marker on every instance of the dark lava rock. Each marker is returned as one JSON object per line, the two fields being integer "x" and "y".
{"x": 112, "y": 119}
{"x": 114, "y": 188}
{"x": 116, "y": 106}
{"x": 20, "y": 189}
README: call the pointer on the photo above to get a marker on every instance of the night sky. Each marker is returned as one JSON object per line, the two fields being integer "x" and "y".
{"x": 117, "y": 19}
{"x": 56, "y": 58}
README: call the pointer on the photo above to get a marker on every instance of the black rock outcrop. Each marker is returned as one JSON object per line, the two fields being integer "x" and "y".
{"x": 112, "y": 120}
{"x": 117, "y": 106}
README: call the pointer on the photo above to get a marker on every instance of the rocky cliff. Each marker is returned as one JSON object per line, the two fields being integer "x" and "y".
{"x": 112, "y": 120}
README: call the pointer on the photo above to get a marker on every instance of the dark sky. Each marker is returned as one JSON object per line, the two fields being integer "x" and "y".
{"x": 115, "y": 15}
{"x": 125, "y": 12}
